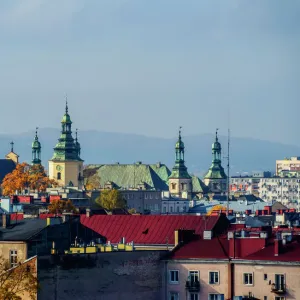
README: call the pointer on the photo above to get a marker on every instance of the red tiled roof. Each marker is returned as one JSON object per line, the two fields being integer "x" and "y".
{"x": 214, "y": 248}
{"x": 290, "y": 252}
{"x": 143, "y": 229}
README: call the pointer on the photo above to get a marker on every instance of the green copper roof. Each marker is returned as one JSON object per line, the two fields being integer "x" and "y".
{"x": 198, "y": 185}
{"x": 179, "y": 170}
{"x": 216, "y": 171}
{"x": 129, "y": 176}
{"x": 36, "y": 150}
{"x": 66, "y": 148}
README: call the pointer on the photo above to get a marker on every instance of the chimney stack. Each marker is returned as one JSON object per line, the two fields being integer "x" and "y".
{"x": 277, "y": 247}
{"x": 88, "y": 212}
{"x": 5, "y": 220}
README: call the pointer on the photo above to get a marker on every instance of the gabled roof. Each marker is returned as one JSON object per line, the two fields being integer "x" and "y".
{"x": 198, "y": 186}
{"x": 216, "y": 248}
{"x": 146, "y": 229}
{"x": 130, "y": 175}
{"x": 22, "y": 230}
{"x": 6, "y": 166}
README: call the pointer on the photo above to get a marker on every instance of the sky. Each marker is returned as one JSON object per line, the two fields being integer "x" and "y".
{"x": 148, "y": 67}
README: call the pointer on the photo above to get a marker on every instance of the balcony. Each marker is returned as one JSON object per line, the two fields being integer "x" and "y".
{"x": 279, "y": 289}
{"x": 192, "y": 286}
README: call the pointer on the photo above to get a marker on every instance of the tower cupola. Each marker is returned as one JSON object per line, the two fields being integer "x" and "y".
{"x": 36, "y": 149}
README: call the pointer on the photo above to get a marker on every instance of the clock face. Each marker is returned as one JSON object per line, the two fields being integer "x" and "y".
{"x": 58, "y": 168}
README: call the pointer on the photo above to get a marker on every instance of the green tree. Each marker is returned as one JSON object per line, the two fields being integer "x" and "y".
{"x": 111, "y": 199}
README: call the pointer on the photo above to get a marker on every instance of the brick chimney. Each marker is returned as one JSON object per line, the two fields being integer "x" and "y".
{"x": 277, "y": 247}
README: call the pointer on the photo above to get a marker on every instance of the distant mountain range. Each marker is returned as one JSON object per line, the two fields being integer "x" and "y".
{"x": 246, "y": 155}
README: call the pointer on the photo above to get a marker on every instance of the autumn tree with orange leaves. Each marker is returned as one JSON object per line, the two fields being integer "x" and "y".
{"x": 60, "y": 206}
{"x": 25, "y": 176}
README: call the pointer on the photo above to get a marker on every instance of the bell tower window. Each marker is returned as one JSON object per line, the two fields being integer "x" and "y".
{"x": 58, "y": 176}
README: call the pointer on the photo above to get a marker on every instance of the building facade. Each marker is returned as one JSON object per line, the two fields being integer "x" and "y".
{"x": 290, "y": 165}
{"x": 66, "y": 166}
{"x": 215, "y": 178}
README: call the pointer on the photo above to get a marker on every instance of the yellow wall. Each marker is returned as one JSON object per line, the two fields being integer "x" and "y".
{"x": 178, "y": 188}
{"x": 69, "y": 172}
{"x": 13, "y": 156}
{"x": 21, "y": 247}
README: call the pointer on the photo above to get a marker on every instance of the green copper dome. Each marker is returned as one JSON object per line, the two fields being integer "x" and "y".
{"x": 179, "y": 170}
{"x": 66, "y": 118}
{"x": 36, "y": 150}
{"x": 67, "y": 148}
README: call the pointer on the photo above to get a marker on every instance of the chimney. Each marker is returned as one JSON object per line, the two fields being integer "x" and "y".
{"x": 231, "y": 238}
{"x": 5, "y": 220}
{"x": 277, "y": 247}
{"x": 88, "y": 212}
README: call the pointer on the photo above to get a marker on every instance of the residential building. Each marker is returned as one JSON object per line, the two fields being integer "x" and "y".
{"x": 215, "y": 178}
{"x": 290, "y": 165}
{"x": 174, "y": 205}
{"x": 281, "y": 189}
{"x": 245, "y": 185}
{"x": 245, "y": 264}
{"x": 66, "y": 166}
{"x": 180, "y": 182}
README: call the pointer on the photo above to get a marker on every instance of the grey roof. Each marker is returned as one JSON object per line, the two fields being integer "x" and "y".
{"x": 22, "y": 230}
{"x": 254, "y": 222}
{"x": 6, "y": 166}
{"x": 203, "y": 206}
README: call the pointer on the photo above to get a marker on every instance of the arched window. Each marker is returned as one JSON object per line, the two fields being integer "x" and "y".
{"x": 58, "y": 176}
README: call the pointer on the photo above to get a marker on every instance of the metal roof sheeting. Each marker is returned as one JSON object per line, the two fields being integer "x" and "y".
{"x": 146, "y": 230}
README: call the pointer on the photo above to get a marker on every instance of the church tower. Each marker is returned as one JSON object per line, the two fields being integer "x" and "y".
{"x": 12, "y": 155}
{"x": 66, "y": 166}
{"x": 36, "y": 150}
{"x": 215, "y": 178}
{"x": 180, "y": 182}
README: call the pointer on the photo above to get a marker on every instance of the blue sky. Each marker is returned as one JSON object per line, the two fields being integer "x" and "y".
{"x": 147, "y": 67}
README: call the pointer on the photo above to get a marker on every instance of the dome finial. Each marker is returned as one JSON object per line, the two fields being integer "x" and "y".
{"x": 12, "y": 146}
{"x": 66, "y": 103}
{"x": 36, "y": 133}
{"x": 217, "y": 134}
{"x": 76, "y": 135}
{"x": 179, "y": 135}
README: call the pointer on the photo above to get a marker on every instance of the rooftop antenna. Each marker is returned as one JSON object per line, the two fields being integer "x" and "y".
{"x": 228, "y": 169}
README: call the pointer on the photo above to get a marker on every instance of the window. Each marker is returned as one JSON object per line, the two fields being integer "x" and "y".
{"x": 279, "y": 282}
{"x": 184, "y": 209}
{"x": 171, "y": 209}
{"x": 248, "y": 278}
{"x": 13, "y": 258}
{"x": 173, "y": 296}
{"x": 173, "y": 185}
{"x": 265, "y": 297}
{"x": 193, "y": 276}
{"x": 173, "y": 276}
{"x": 279, "y": 298}
{"x": 194, "y": 296}
{"x": 58, "y": 176}
{"x": 216, "y": 297}
{"x": 177, "y": 209}
{"x": 265, "y": 276}
{"x": 214, "y": 277}
{"x": 164, "y": 209}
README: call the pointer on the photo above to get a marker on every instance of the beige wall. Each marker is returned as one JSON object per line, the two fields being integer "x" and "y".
{"x": 204, "y": 269}
{"x": 5, "y": 248}
{"x": 261, "y": 287}
{"x": 69, "y": 172}
{"x": 177, "y": 191}
{"x": 13, "y": 156}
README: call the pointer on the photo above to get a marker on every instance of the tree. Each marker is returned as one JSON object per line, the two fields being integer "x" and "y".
{"x": 25, "y": 176}
{"x": 60, "y": 206}
{"x": 216, "y": 208}
{"x": 111, "y": 199}
{"x": 19, "y": 281}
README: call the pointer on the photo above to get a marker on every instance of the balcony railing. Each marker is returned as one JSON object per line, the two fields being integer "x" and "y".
{"x": 278, "y": 288}
{"x": 192, "y": 286}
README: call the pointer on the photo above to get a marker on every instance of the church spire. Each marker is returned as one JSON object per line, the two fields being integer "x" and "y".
{"x": 66, "y": 148}
{"x": 12, "y": 146}
{"x": 179, "y": 170}
{"x": 36, "y": 149}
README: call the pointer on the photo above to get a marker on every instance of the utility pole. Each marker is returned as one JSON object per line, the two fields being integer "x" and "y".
{"x": 228, "y": 170}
